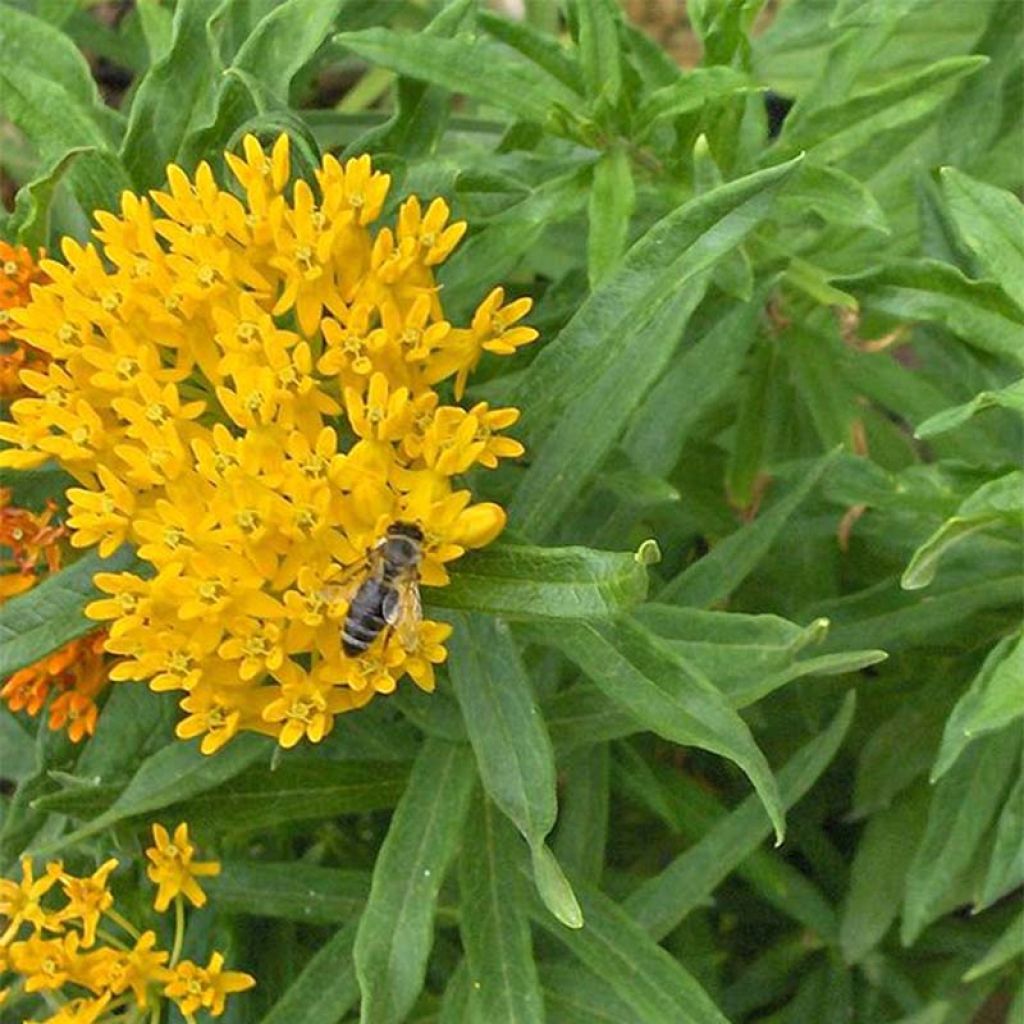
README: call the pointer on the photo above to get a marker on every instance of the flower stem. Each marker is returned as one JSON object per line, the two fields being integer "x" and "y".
{"x": 179, "y": 930}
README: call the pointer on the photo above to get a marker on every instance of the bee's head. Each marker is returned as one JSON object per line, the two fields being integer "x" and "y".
{"x": 408, "y": 530}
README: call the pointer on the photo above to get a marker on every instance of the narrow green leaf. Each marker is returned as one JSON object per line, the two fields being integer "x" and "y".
{"x": 1006, "y": 865}
{"x": 991, "y": 221}
{"x": 998, "y": 502}
{"x": 1008, "y": 946}
{"x": 646, "y": 977}
{"x": 977, "y": 312}
{"x": 512, "y": 747}
{"x": 879, "y": 872}
{"x": 291, "y": 890}
{"x": 600, "y": 60}
{"x": 662, "y": 902}
{"x": 173, "y": 774}
{"x": 50, "y": 614}
{"x": 716, "y": 575}
{"x": 697, "y": 379}
{"x": 565, "y": 463}
{"x": 493, "y": 924}
{"x": 994, "y": 699}
{"x": 299, "y": 790}
{"x": 691, "y": 91}
{"x": 612, "y": 197}
{"x": 746, "y": 455}
{"x": 397, "y": 928}
{"x": 523, "y": 582}
{"x": 615, "y": 347}
{"x": 475, "y": 66}
{"x": 1010, "y": 397}
{"x": 17, "y": 748}
{"x": 837, "y": 197}
{"x": 574, "y": 995}
{"x": 654, "y": 683}
{"x": 581, "y": 841}
{"x": 540, "y": 47}
{"x": 554, "y": 888}
{"x": 325, "y": 990}
{"x": 157, "y": 23}
{"x": 965, "y": 802}
{"x": 173, "y": 95}
{"x": 834, "y": 132}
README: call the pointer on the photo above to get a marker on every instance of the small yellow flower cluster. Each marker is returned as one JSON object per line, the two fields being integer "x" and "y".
{"x": 75, "y": 674}
{"x": 56, "y": 939}
{"x": 246, "y": 389}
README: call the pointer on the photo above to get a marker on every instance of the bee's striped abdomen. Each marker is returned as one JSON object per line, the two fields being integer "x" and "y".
{"x": 365, "y": 619}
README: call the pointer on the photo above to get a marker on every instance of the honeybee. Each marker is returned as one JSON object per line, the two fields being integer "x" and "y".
{"x": 389, "y": 596}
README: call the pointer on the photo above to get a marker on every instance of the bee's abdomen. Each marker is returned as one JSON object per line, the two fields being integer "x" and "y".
{"x": 365, "y": 619}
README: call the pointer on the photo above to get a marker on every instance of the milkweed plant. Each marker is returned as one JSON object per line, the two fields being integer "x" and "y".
{"x": 504, "y": 518}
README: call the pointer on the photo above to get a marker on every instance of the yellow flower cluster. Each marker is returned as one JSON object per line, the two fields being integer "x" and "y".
{"x": 57, "y": 940}
{"x": 246, "y": 389}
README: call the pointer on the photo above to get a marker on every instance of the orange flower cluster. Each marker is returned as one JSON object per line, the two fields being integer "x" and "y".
{"x": 18, "y": 272}
{"x": 58, "y": 938}
{"x": 76, "y": 672}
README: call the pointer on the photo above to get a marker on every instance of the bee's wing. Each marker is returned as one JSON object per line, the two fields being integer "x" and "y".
{"x": 403, "y": 611}
{"x": 343, "y": 588}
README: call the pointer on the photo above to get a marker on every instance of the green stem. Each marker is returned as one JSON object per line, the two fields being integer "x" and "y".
{"x": 179, "y": 929}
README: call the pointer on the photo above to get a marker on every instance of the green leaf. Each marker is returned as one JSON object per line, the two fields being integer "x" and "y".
{"x": 698, "y": 378}
{"x": 749, "y": 656}
{"x": 554, "y": 888}
{"x": 1010, "y": 397}
{"x": 600, "y": 60}
{"x": 325, "y": 989}
{"x": 540, "y": 47}
{"x": 965, "y": 802}
{"x": 493, "y": 924}
{"x": 1008, "y": 946}
{"x": 495, "y": 250}
{"x": 173, "y": 774}
{"x": 991, "y": 221}
{"x": 837, "y": 197}
{"x": 690, "y": 92}
{"x": 581, "y": 841}
{"x": 647, "y": 978}
{"x": 998, "y": 502}
{"x": 30, "y": 220}
{"x": 716, "y": 575}
{"x": 660, "y": 903}
{"x": 619, "y": 342}
{"x": 173, "y": 95}
{"x": 17, "y": 748}
{"x": 30, "y": 44}
{"x": 1006, "y": 865}
{"x": 396, "y": 930}
{"x": 54, "y": 121}
{"x": 157, "y": 24}
{"x": 472, "y": 65}
{"x": 299, "y": 790}
{"x": 612, "y": 197}
{"x": 667, "y": 694}
{"x": 512, "y": 747}
{"x": 834, "y": 132}
{"x": 879, "y": 872}
{"x": 523, "y": 582}
{"x": 284, "y": 40}
{"x": 291, "y": 890}
{"x": 50, "y": 614}
{"x": 578, "y": 996}
{"x": 975, "y": 311}
{"x": 994, "y": 699}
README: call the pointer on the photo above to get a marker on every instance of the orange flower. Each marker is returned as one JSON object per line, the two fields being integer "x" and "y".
{"x": 18, "y": 272}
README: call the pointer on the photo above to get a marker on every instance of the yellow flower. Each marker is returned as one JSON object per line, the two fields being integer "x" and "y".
{"x": 84, "y": 1010}
{"x": 193, "y": 987}
{"x": 246, "y": 389}
{"x": 173, "y": 869}
{"x": 137, "y": 969}
{"x": 88, "y": 898}
{"x": 20, "y": 901}
{"x": 48, "y": 964}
